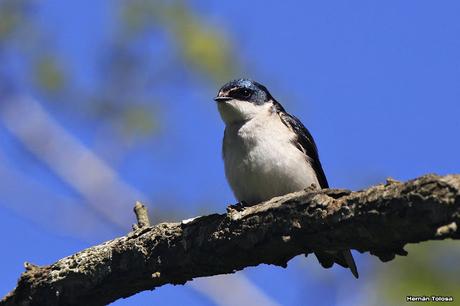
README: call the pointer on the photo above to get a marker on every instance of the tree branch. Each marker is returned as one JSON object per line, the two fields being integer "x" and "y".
{"x": 379, "y": 220}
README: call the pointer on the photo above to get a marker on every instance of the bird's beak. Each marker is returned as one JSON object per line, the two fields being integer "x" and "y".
{"x": 221, "y": 99}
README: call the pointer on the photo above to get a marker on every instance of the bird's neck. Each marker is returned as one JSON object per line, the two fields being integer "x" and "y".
{"x": 236, "y": 112}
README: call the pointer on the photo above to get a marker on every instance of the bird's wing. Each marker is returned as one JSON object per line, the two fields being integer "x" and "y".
{"x": 305, "y": 143}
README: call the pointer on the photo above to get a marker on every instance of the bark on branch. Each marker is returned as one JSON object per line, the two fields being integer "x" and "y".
{"x": 379, "y": 220}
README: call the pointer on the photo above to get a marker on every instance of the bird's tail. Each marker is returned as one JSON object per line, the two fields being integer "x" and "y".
{"x": 343, "y": 258}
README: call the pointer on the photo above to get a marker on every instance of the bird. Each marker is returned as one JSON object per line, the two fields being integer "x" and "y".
{"x": 268, "y": 152}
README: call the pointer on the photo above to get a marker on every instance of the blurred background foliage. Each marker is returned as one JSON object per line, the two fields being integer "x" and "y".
{"x": 128, "y": 67}
{"x": 430, "y": 269}
{"x": 116, "y": 94}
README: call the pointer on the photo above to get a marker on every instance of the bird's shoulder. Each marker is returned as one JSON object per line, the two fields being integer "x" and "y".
{"x": 303, "y": 141}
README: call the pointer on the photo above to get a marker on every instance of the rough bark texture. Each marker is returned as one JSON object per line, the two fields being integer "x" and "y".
{"x": 379, "y": 220}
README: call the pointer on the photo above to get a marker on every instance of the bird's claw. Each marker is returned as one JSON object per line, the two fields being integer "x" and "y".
{"x": 238, "y": 206}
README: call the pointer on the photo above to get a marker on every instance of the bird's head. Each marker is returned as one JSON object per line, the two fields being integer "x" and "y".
{"x": 241, "y": 100}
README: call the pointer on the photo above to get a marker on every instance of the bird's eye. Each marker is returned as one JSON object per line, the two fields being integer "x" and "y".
{"x": 244, "y": 93}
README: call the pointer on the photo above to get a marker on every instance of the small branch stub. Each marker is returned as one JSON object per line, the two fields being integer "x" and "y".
{"x": 142, "y": 216}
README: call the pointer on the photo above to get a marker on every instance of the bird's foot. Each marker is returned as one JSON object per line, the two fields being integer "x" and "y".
{"x": 238, "y": 206}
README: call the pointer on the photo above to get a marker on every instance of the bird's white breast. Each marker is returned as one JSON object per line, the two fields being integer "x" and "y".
{"x": 262, "y": 161}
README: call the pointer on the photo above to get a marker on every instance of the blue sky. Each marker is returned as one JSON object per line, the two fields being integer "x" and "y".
{"x": 377, "y": 84}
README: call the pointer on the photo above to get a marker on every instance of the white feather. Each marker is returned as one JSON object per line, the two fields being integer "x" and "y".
{"x": 261, "y": 159}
